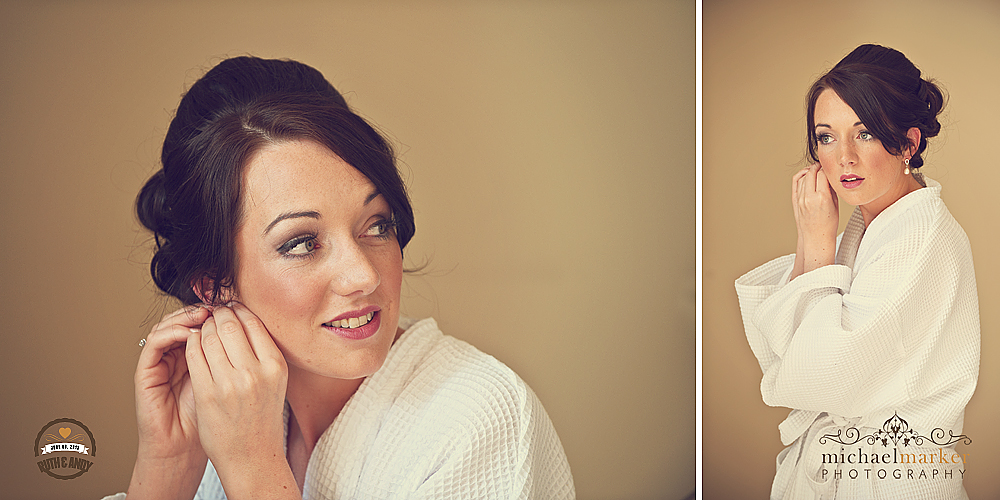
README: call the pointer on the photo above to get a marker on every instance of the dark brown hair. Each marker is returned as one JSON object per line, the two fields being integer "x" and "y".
{"x": 193, "y": 203}
{"x": 887, "y": 93}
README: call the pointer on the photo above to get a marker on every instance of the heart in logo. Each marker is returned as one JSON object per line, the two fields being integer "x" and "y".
{"x": 64, "y": 432}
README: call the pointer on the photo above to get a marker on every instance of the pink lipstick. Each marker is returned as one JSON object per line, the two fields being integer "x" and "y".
{"x": 356, "y": 325}
{"x": 851, "y": 181}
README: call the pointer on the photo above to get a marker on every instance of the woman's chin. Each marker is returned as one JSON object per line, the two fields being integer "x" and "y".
{"x": 337, "y": 363}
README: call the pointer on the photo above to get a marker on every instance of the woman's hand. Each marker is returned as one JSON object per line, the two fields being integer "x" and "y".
{"x": 817, "y": 215}
{"x": 239, "y": 378}
{"x": 170, "y": 462}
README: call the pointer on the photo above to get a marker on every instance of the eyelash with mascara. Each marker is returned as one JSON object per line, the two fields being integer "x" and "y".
{"x": 820, "y": 137}
{"x": 388, "y": 228}
{"x": 285, "y": 249}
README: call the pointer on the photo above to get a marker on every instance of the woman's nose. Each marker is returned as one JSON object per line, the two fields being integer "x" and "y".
{"x": 848, "y": 155}
{"x": 354, "y": 272}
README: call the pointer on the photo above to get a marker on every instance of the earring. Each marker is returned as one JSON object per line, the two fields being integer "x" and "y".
{"x": 906, "y": 171}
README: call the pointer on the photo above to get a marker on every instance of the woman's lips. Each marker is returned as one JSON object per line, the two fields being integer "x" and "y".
{"x": 356, "y": 325}
{"x": 851, "y": 181}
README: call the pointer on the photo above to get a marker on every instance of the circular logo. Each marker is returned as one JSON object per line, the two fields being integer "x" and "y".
{"x": 65, "y": 448}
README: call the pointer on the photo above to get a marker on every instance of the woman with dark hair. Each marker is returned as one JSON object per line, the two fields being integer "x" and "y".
{"x": 279, "y": 219}
{"x": 872, "y": 337}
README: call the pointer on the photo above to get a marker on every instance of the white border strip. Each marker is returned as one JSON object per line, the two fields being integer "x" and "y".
{"x": 698, "y": 259}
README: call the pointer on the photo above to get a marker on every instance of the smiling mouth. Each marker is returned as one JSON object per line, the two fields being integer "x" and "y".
{"x": 853, "y": 178}
{"x": 351, "y": 322}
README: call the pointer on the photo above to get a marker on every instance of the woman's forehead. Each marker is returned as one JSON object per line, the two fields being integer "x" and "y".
{"x": 302, "y": 174}
{"x": 831, "y": 108}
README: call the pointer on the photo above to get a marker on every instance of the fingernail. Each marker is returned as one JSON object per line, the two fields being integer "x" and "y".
{"x": 195, "y": 330}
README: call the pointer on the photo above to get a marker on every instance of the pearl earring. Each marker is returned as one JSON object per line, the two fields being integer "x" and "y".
{"x": 906, "y": 171}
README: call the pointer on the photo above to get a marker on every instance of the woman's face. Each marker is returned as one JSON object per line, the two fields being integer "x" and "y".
{"x": 319, "y": 263}
{"x": 860, "y": 170}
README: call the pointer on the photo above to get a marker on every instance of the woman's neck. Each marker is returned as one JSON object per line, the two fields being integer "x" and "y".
{"x": 871, "y": 210}
{"x": 316, "y": 401}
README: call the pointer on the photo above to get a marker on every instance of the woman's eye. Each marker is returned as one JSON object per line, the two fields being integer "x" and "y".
{"x": 379, "y": 229}
{"x": 299, "y": 246}
{"x": 825, "y": 139}
{"x": 865, "y": 135}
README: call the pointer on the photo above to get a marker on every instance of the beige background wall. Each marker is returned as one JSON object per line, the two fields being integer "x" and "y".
{"x": 759, "y": 59}
{"x": 549, "y": 147}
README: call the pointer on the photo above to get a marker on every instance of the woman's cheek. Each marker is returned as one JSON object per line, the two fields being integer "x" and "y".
{"x": 391, "y": 270}
{"x": 279, "y": 299}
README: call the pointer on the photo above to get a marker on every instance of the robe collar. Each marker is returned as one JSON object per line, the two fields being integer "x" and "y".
{"x": 851, "y": 240}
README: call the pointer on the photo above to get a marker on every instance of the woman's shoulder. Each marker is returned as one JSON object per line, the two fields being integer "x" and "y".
{"x": 450, "y": 415}
{"x": 917, "y": 239}
{"x": 446, "y": 371}
{"x": 918, "y": 220}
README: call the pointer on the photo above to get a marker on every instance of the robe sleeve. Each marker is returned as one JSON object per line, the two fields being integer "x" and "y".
{"x": 852, "y": 343}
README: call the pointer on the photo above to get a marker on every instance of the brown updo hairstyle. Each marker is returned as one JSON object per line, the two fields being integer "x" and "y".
{"x": 887, "y": 93}
{"x": 193, "y": 204}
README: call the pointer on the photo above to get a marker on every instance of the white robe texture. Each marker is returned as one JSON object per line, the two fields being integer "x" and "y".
{"x": 890, "y": 330}
{"x": 439, "y": 420}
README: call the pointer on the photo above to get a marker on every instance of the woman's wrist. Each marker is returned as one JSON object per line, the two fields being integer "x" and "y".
{"x": 798, "y": 267}
{"x": 264, "y": 475}
{"x": 173, "y": 477}
{"x": 818, "y": 253}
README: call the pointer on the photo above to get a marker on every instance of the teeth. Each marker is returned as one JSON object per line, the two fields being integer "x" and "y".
{"x": 352, "y": 322}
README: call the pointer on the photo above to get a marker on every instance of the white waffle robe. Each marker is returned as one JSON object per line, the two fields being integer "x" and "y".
{"x": 439, "y": 420}
{"x": 892, "y": 328}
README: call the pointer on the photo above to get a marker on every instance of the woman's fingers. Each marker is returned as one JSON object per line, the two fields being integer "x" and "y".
{"x": 177, "y": 321}
{"x": 824, "y": 188}
{"x": 170, "y": 333}
{"x": 811, "y": 178}
{"x": 194, "y": 355}
{"x": 833, "y": 193}
{"x": 813, "y": 189}
{"x": 259, "y": 338}
{"x": 797, "y": 182}
{"x": 224, "y": 343}
{"x": 821, "y": 181}
{"x": 798, "y": 193}
{"x": 236, "y": 339}
{"x": 230, "y": 384}
{"x": 816, "y": 203}
{"x": 163, "y": 405}
{"x": 186, "y": 317}
{"x": 235, "y": 335}
{"x": 213, "y": 349}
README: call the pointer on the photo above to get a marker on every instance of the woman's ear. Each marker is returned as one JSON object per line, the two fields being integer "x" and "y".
{"x": 204, "y": 288}
{"x": 913, "y": 137}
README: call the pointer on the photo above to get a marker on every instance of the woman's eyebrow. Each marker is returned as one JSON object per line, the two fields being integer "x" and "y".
{"x": 818, "y": 125}
{"x": 312, "y": 214}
